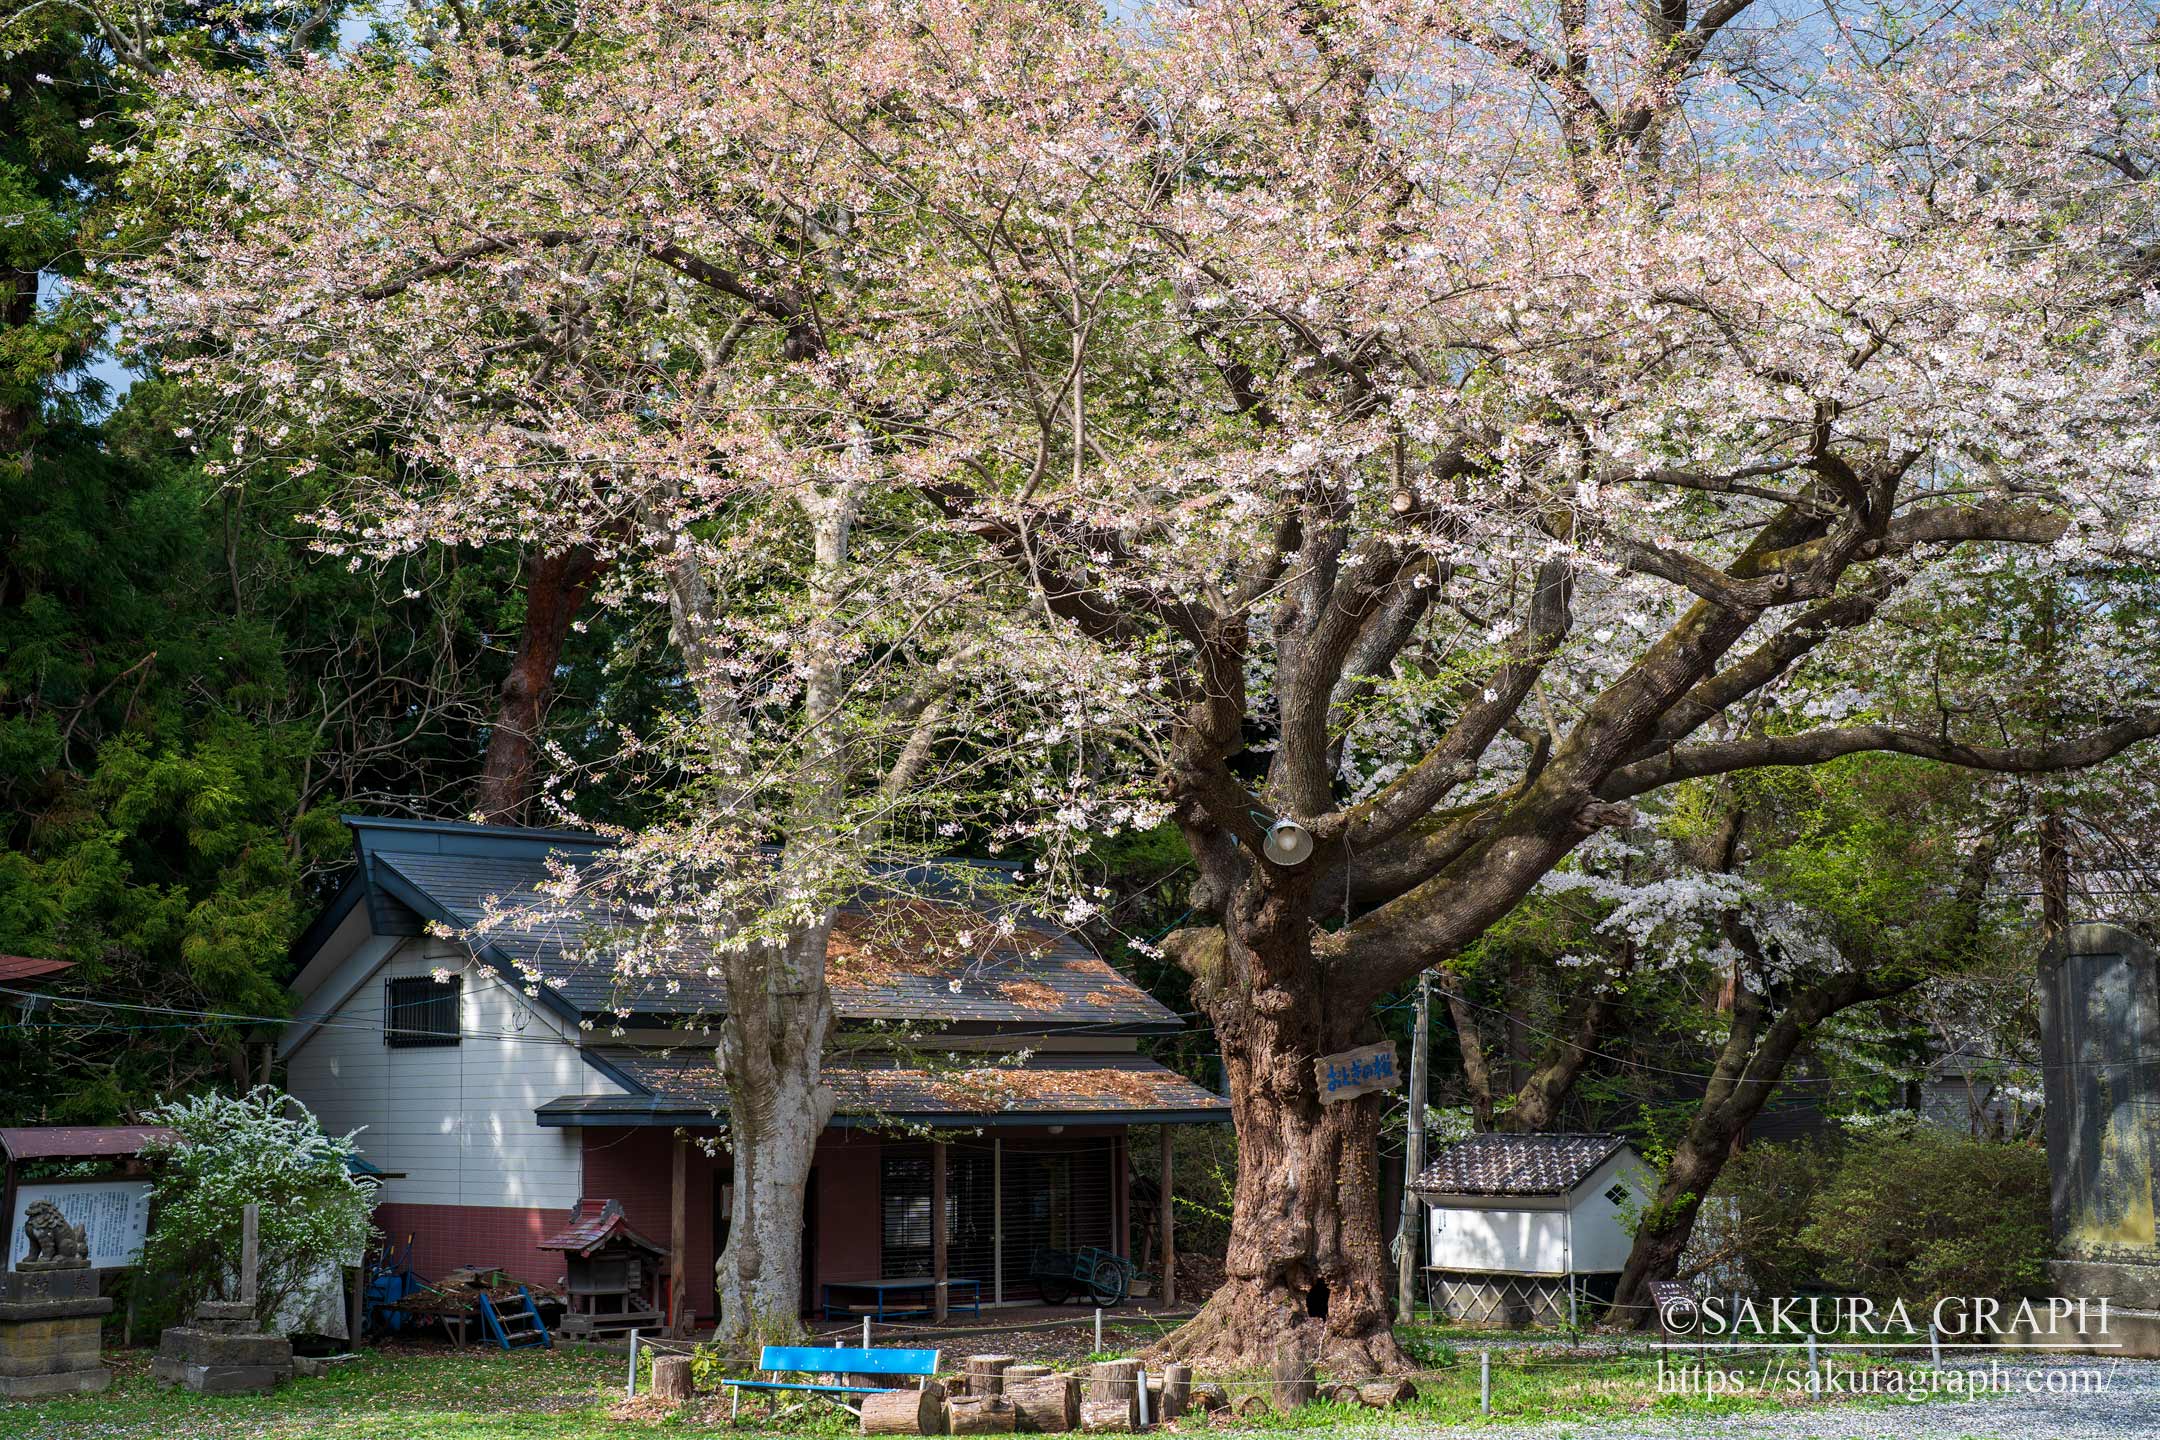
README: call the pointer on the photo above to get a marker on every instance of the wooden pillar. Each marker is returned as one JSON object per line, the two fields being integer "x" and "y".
{"x": 679, "y": 1240}
{"x": 1169, "y": 1227}
{"x": 938, "y": 1256}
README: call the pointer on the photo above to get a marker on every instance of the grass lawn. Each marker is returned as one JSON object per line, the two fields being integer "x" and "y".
{"x": 422, "y": 1394}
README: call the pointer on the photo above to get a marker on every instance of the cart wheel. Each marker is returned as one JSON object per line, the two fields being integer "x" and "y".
{"x": 1054, "y": 1291}
{"x": 1108, "y": 1282}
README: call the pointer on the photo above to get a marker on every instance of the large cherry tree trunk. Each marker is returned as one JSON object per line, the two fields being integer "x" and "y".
{"x": 1307, "y": 1268}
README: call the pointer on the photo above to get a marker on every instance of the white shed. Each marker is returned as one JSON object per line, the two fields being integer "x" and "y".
{"x": 1517, "y": 1224}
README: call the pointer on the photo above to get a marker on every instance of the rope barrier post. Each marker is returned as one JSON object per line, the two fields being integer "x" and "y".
{"x": 630, "y": 1389}
{"x": 1484, "y": 1382}
{"x": 1814, "y": 1364}
{"x": 1934, "y": 1345}
{"x": 1140, "y": 1380}
{"x": 866, "y": 1332}
{"x": 1098, "y": 1330}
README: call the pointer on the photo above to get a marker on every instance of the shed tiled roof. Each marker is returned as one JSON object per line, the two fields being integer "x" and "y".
{"x": 16, "y": 968}
{"x": 1037, "y": 977}
{"x": 82, "y": 1142}
{"x": 684, "y": 1083}
{"x": 1517, "y": 1164}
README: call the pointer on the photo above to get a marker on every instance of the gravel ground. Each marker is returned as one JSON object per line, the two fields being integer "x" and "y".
{"x": 2114, "y": 1400}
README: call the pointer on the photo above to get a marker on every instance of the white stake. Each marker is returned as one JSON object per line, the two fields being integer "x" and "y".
{"x": 1098, "y": 1330}
{"x": 1935, "y": 1344}
{"x": 866, "y": 1332}
{"x": 1484, "y": 1381}
{"x": 630, "y": 1390}
{"x": 1142, "y": 1383}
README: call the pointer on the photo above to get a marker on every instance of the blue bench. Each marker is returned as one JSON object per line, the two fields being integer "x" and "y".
{"x": 831, "y": 1365}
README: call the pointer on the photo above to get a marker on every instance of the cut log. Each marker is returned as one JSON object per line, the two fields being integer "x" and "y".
{"x": 671, "y": 1377}
{"x": 1026, "y": 1371}
{"x": 1049, "y": 1403}
{"x": 1176, "y": 1389}
{"x": 1294, "y": 1383}
{"x": 986, "y": 1374}
{"x": 1207, "y": 1395}
{"x": 1342, "y": 1392}
{"x": 1381, "y": 1394}
{"x": 905, "y": 1412}
{"x": 1252, "y": 1406}
{"x": 1116, "y": 1416}
{"x": 980, "y": 1415}
{"x": 1115, "y": 1382}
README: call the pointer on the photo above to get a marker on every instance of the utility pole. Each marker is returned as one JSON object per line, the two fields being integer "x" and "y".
{"x": 1406, "y": 1234}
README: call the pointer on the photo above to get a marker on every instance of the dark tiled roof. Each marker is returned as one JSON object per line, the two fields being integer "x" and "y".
{"x": 1517, "y": 1164}
{"x": 1043, "y": 981}
{"x": 593, "y": 1224}
{"x": 685, "y": 1082}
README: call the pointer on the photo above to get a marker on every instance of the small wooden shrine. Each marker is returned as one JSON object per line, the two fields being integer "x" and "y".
{"x": 614, "y": 1283}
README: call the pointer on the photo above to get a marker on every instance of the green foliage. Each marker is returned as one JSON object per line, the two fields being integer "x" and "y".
{"x": 1763, "y": 1201}
{"x": 266, "y": 1149}
{"x": 1918, "y": 1213}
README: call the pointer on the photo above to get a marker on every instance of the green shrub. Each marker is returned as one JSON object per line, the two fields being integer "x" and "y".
{"x": 1764, "y": 1199}
{"x": 1915, "y": 1213}
{"x": 263, "y": 1148}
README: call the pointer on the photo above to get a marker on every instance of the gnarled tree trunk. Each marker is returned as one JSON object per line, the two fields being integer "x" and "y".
{"x": 1306, "y": 1269}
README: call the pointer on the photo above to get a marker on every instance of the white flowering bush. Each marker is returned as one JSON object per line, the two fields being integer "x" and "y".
{"x": 266, "y": 1148}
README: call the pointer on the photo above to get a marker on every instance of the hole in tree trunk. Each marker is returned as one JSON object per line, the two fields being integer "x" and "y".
{"x": 1316, "y": 1300}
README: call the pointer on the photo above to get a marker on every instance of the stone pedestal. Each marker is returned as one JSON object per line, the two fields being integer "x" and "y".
{"x": 50, "y": 1318}
{"x": 2100, "y": 1062}
{"x": 222, "y": 1353}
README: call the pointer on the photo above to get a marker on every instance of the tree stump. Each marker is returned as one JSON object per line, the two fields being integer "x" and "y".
{"x": 1176, "y": 1389}
{"x": 986, "y": 1374}
{"x": 1110, "y": 1415}
{"x": 905, "y": 1412}
{"x": 1118, "y": 1382}
{"x": 1294, "y": 1384}
{"x": 1381, "y": 1394}
{"x": 981, "y": 1415}
{"x": 1048, "y": 1403}
{"x": 671, "y": 1377}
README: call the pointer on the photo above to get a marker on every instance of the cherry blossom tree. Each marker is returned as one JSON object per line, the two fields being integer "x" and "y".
{"x": 1444, "y": 429}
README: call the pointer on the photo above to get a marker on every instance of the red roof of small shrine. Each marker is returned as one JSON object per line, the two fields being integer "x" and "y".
{"x": 80, "y": 1142}
{"x": 596, "y": 1223}
{"x": 25, "y": 967}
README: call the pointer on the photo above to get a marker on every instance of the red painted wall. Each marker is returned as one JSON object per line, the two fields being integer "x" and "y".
{"x": 447, "y": 1236}
{"x": 637, "y": 1168}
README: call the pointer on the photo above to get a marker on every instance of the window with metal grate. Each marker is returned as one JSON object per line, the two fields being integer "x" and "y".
{"x": 420, "y": 1012}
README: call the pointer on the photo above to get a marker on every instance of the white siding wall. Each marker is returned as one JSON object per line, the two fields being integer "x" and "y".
{"x": 456, "y": 1122}
{"x": 1602, "y": 1228}
{"x": 1529, "y": 1240}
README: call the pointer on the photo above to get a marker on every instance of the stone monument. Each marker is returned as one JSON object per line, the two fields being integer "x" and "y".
{"x": 2100, "y": 1065}
{"x": 51, "y": 1313}
{"x": 223, "y": 1353}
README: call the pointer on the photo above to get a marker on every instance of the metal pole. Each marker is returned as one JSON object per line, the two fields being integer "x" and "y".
{"x": 1406, "y": 1231}
{"x": 1814, "y": 1365}
{"x": 630, "y": 1389}
{"x": 866, "y": 1332}
{"x": 997, "y": 1220}
{"x": 1484, "y": 1381}
{"x": 1098, "y": 1330}
{"x": 1935, "y": 1345}
{"x": 1141, "y": 1381}
{"x": 1571, "y": 1303}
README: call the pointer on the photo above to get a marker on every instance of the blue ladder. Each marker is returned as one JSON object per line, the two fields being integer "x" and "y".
{"x": 518, "y": 1329}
